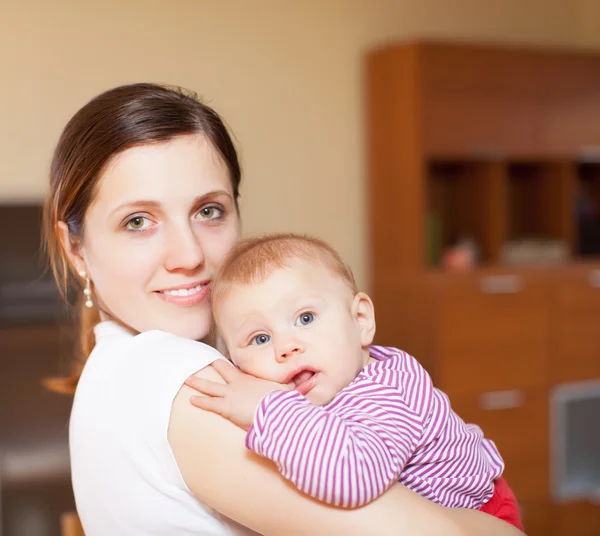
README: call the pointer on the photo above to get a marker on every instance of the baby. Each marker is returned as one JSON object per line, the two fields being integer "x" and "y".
{"x": 341, "y": 419}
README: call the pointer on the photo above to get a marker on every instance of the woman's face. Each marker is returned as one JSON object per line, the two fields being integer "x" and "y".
{"x": 160, "y": 225}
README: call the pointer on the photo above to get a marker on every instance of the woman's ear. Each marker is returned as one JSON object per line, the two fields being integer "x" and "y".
{"x": 71, "y": 247}
{"x": 363, "y": 312}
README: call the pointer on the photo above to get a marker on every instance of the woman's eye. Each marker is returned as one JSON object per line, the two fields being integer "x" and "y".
{"x": 261, "y": 339}
{"x": 210, "y": 213}
{"x": 138, "y": 223}
{"x": 305, "y": 318}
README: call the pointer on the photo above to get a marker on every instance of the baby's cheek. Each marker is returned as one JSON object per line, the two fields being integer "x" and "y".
{"x": 240, "y": 362}
{"x": 261, "y": 368}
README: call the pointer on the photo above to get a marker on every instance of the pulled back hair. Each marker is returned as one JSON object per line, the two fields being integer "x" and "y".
{"x": 112, "y": 122}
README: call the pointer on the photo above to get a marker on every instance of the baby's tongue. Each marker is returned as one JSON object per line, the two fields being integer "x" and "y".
{"x": 302, "y": 377}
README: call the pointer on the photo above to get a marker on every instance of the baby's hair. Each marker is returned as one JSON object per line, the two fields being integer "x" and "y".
{"x": 253, "y": 259}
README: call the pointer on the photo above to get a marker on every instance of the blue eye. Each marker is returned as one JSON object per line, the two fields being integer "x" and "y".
{"x": 261, "y": 339}
{"x": 305, "y": 319}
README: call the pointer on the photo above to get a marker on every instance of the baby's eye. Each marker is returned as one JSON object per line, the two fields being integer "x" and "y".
{"x": 138, "y": 223}
{"x": 263, "y": 338}
{"x": 305, "y": 319}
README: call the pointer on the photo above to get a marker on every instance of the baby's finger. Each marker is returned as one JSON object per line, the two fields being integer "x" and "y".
{"x": 227, "y": 371}
{"x": 214, "y": 405}
{"x": 205, "y": 386}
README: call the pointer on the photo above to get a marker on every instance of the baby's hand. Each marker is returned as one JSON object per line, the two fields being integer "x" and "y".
{"x": 236, "y": 399}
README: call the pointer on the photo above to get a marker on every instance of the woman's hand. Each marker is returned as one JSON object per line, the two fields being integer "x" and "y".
{"x": 237, "y": 398}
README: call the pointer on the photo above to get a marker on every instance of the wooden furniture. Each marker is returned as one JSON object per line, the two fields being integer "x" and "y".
{"x": 35, "y": 479}
{"x": 496, "y": 144}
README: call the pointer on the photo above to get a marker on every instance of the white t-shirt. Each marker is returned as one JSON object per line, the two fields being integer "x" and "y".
{"x": 125, "y": 477}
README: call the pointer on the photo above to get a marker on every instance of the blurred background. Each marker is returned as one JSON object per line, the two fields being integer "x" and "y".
{"x": 449, "y": 149}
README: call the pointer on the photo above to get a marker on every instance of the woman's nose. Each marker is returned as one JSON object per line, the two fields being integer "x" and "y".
{"x": 288, "y": 348}
{"x": 184, "y": 250}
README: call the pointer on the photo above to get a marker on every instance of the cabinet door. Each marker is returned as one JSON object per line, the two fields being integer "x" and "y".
{"x": 478, "y": 124}
{"x": 576, "y": 519}
{"x": 570, "y": 104}
{"x": 493, "y": 332}
{"x": 536, "y": 518}
{"x": 517, "y": 421}
{"x": 575, "y": 354}
{"x": 478, "y": 100}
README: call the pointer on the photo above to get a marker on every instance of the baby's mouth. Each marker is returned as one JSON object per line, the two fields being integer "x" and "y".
{"x": 302, "y": 377}
{"x": 304, "y": 381}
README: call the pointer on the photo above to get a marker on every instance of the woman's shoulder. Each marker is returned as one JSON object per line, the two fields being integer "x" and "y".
{"x": 154, "y": 346}
{"x": 131, "y": 380}
{"x": 119, "y": 433}
{"x": 140, "y": 372}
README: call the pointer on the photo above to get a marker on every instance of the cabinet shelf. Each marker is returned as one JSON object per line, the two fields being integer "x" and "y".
{"x": 499, "y": 204}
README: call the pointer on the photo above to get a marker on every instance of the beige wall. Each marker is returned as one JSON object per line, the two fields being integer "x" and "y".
{"x": 284, "y": 73}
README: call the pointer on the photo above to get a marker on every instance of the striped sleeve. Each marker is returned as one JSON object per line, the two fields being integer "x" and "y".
{"x": 346, "y": 453}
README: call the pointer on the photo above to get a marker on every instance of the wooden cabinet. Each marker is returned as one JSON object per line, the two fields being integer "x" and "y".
{"x": 498, "y": 341}
{"x": 471, "y": 332}
{"x": 576, "y": 341}
{"x": 499, "y": 145}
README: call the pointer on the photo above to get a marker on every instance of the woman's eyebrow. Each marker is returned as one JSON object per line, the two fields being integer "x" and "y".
{"x": 137, "y": 204}
{"x": 210, "y": 195}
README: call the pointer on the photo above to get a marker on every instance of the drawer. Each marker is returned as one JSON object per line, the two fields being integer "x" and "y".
{"x": 576, "y": 519}
{"x": 493, "y": 333}
{"x": 575, "y": 353}
{"x": 536, "y": 518}
{"x": 517, "y": 422}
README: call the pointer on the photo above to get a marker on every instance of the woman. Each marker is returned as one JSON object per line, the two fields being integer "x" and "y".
{"x": 141, "y": 212}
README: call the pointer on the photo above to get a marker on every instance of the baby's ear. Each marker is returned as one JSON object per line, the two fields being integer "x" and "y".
{"x": 363, "y": 312}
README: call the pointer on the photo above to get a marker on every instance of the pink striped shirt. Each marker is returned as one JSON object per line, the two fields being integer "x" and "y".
{"x": 390, "y": 424}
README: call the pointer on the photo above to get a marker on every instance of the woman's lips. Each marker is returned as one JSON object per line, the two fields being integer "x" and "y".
{"x": 187, "y": 295}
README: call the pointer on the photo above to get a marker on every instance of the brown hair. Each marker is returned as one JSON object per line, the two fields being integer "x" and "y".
{"x": 114, "y": 121}
{"x": 253, "y": 259}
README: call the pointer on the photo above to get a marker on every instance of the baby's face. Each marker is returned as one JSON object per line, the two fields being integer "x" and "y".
{"x": 299, "y": 325}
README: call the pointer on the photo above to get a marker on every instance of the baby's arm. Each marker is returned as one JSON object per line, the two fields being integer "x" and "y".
{"x": 346, "y": 453}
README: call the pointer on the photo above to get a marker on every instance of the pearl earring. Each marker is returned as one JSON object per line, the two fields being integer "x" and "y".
{"x": 87, "y": 291}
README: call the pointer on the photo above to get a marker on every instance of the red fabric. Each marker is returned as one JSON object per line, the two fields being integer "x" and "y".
{"x": 503, "y": 504}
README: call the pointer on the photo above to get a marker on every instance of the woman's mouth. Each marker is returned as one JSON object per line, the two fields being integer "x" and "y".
{"x": 183, "y": 291}
{"x": 187, "y": 295}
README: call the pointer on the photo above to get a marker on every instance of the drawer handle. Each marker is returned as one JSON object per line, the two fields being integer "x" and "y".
{"x": 497, "y": 400}
{"x": 501, "y": 284}
{"x": 594, "y": 278}
{"x": 589, "y": 153}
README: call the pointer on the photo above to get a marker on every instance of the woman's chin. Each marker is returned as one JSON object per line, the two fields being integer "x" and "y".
{"x": 197, "y": 326}
{"x": 198, "y": 329}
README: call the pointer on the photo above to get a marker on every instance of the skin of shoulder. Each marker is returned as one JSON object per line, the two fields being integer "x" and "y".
{"x": 224, "y": 475}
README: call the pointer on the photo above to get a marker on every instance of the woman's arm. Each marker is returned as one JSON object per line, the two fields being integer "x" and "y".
{"x": 223, "y": 474}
